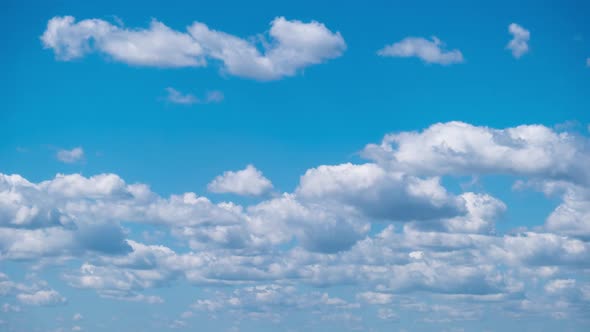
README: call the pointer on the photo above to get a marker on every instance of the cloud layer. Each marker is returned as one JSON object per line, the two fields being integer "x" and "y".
{"x": 388, "y": 230}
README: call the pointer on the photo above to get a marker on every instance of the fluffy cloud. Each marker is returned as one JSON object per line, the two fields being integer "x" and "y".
{"x": 293, "y": 46}
{"x": 424, "y": 49}
{"x": 519, "y": 44}
{"x": 70, "y": 156}
{"x": 572, "y": 216}
{"x": 319, "y": 226}
{"x": 156, "y": 46}
{"x": 379, "y": 193}
{"x": 248, "y": 181}
{"x": 462, "y": 149}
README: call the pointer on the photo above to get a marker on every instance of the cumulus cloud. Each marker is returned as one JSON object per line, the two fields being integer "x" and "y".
{"x": 462, "y": 149}
{"x": 70, "y": 156}
{"x": 519, "y": 44}
{"x": 429, "y": 51}
{"x": 248, "y": 181}
{"x": 379, "y": 193}
{"x": 293, "y": 46}
{"x": 572, "y": 216}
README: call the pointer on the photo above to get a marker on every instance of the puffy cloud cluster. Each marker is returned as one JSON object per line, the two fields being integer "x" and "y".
{"x": 386, "y": 229}
{"x": 293, "y": 46}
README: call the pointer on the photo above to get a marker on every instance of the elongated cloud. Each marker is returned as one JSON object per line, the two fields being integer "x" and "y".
{"x": 429, "y": 51}
{"x": 177, "y": 97}
{"x": 293, "y": 46}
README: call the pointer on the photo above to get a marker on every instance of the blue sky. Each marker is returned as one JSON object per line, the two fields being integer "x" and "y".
{"x": 263, "y": 166}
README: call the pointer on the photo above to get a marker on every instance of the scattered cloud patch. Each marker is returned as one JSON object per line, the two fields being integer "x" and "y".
{"x": 42, "y": 298}
{"x": 519, "y": 44}
{"x": 176, "y": 97}
{"x": 429, "y": 51}
{"x": 70, "y": 156}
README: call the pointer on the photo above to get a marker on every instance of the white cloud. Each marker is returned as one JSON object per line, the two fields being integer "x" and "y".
{"x": 558, "y": 285}
{"x": 428, "y": 51}
{"x": 459, "y": 148}
{"x": 270, "y": 301}
{"x": 42, "y": 298}
{"x": 572, "y": 216}
{"x": 294, "y": 45}
{"x": 248, "y": 181}
{"x": 318, "y": 226}
{"x": 177, "y": 97}
{"x": 156, "y": 46}
{"x": 77, "y": 317}
{"x": 379, "y": 193}
{"x": 70, "y": 156}
{"x": 519, "y": 44}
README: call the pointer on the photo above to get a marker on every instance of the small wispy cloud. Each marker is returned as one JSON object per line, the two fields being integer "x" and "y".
{"x": 70, "y": 156}
{"x": 177, "y": 97}
{"x": 587, "y": 62}
{"x": 429, "y": 51}
{"x": 519, "y": 44}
